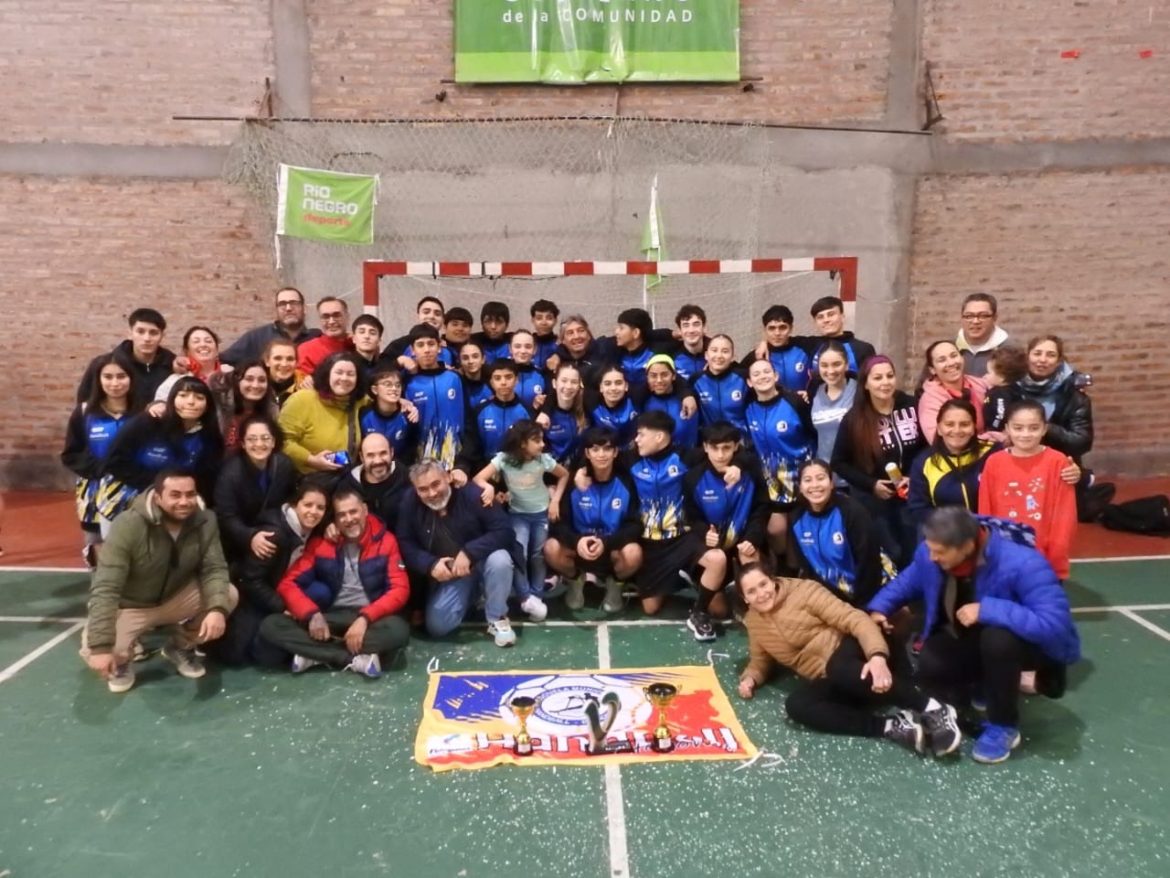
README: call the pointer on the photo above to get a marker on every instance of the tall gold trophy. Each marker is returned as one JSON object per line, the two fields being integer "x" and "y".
{"x": 660, "y": 695}
{"x": 523, "y": 707}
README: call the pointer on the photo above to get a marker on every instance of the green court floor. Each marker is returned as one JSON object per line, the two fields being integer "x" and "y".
{"x": 257, "y": 773}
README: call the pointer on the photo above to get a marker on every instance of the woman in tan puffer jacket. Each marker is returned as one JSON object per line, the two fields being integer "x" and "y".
{"x": 842, "y": 658}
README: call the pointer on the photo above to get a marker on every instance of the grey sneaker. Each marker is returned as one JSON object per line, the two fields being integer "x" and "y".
{"x": 904, "y": 729}
{"x": 501, "y": 631}
{"x": 122, "y": 679}
{"x": 300, "y": 664}
{"x": 575, "y": 593}
{"x": 186, "y": 662}
{"x": 701, "y": 626}
{"x": 942, "y": 730}
{"x": 367, "y": 664}
{"x": 613, "y": 602}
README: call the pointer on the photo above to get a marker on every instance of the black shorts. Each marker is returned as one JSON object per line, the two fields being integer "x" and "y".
{"x": 663, "y": 559}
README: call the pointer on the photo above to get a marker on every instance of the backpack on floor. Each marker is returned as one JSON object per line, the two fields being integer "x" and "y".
{"x": 1146, "y": 515}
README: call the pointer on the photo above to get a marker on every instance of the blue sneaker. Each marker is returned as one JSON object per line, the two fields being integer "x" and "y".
{"x": 995, "y": 744}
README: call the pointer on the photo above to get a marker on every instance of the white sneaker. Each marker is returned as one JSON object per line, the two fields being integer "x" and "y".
{"x": 535, "y": 608}
{"x": 300, "y": 664}
{"x": 501, "y": 630}
{"x": 122, "y": 679}
{"x": 367, "y": 664}
{"x": 613, "y": 602}
{"x": 575, "y": 594}
{"x": 186, "y": 662}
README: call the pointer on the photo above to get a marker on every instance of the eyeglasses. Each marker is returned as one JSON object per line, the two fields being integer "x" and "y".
{"x": 333, "y": 315}
{"x": 983, "y": 315}
{"x": 291, "y": 303}
{"x": 389, "y": 384}
{"x": 258, "y": 440}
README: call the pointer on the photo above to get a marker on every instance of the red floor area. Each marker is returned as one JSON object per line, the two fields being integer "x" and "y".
{"x": 40, "y": 530}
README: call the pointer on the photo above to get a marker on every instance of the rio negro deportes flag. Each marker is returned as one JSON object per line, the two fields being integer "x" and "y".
{"x": 326, "y": 205}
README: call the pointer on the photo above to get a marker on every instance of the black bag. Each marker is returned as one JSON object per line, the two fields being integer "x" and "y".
{"x": 1146, "y": 515}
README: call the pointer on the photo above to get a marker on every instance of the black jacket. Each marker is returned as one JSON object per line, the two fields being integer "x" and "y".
{"x": 258, "y": 578}
{"x": 385, "y": 498}
{"x": 146, "y": 378}
{"x": 1070, "y": 429}
{"x": 240, "y": 499}
{"x": 478, "y": 530}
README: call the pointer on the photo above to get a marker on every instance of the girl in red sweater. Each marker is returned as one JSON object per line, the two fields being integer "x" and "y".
{"x": 1022, "y": 483}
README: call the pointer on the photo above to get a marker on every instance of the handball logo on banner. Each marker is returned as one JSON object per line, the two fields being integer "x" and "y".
{"x": 561, "y": 700}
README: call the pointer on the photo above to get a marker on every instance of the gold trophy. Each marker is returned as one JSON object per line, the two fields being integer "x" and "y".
{"x": 660, "y": 695}
{"x": 523, "y": 707}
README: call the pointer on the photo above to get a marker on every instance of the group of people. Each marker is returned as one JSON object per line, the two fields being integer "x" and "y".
{"x": 308, "y": 496}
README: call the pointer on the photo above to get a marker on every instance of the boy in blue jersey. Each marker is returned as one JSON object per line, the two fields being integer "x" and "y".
{"x": 789, "y": 359}
{"x": 631, "y": 344}
{"x": 690, "y": 353}
{"x": 494, "y": 339}
{"x": 429, "y": 311}
{"x": 828, "y": 313}
{"x": 544, "y": 316}
{"x": 389, "y": 415}
{"x": 438, "y": 395}
{"x": 595, "y": 539}
{"x": 489, "y": 422}
{"x": 668, "y": 393}
{"x": 671, "y": 548}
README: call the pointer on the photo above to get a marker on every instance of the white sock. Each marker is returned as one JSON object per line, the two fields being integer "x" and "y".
{"x": 889, "y": 725}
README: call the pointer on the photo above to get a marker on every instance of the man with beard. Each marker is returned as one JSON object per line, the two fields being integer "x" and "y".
{"x": 379, "y": 478}
{"x": 161, "y": 565}
{"x": 289, "y": 325}
{"x": 462, "y": 548}
{"x": 344, "y": 596}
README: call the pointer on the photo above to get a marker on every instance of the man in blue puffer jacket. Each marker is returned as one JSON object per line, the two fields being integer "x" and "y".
{"x": 994, "y": 609}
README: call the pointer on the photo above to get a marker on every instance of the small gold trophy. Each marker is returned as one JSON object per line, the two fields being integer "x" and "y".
{"x": 523, "y": 706}
{"x": 660, "y": 695}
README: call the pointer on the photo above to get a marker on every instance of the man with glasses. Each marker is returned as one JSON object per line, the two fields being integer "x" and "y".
{"x": 333, "y": 315}
{"x": 289, "y": 324}
{"x": 979, "y": 335}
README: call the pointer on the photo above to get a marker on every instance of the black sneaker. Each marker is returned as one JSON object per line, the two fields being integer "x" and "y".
{"x": 905, "y": 729}
{"x": 701, "y": 626}
{"x": 942, "y": 729}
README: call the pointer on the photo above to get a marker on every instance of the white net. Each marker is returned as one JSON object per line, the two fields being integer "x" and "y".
{"x": 541, "y": 189}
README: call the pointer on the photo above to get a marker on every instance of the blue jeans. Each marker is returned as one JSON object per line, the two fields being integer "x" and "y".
{"x": 448, "y": 602}
{"x": 531, "y": 529}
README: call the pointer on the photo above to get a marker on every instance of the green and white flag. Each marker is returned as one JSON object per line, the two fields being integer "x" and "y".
{"x": 653, "y": 241}
{"x": 326, "y": 205}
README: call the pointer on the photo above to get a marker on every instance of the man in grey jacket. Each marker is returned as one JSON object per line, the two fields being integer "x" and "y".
{"x": 161, "y": 565}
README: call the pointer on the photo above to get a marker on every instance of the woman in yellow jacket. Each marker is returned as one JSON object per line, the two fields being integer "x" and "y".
{"x": 320, "y": 421}
{"x": 842, "y": 659}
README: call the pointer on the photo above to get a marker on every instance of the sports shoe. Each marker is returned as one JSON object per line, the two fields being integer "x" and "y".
{"x": 501, "y": 631}
{"x": 905, "y": 729}
{"x": 942, "y": 729}
{"x": 701, "y": 626}
{"x": 995, "y": 744}
{"x": 613, "y": 601}
{"x": 300, "y": 664}
{"x": 575, "y": 595}
{"x": 121, "y": 679}
{"x": 186, "y": 662}
{"x": 535, "y": 608}
{"x": 138, "y": 652}
{"x": 367, "y": 664}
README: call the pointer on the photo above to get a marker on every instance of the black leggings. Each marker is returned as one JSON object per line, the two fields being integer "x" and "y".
{"x": 844, "y": 704}
{"x": 991, "y": 659}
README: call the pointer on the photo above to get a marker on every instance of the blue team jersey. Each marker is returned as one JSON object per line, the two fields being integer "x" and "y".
{"x": 491, "y": 422}
{"x": 438, "y": 395}
{"x": 728, "y": 509}
{"x": 792, "y": 366}
{"x": 688, "y": 365}
{"x": 782, "y": 442}
{"x": 658, "y": 480}
{"x": 530, "y": 383}
{"x": 686, "y": 430}
{"x": 496, "y": 350}
{"x": 620, "y": 419}
{"x": 563, "y": 434}
{"x": 722, "y": 397}
{"x": 100, "y": 429}
{"x": 600, "y": 509}
{"x": 546, "y": 346}
{"x": 825, "y": 544}
{"x": 633, "y": 365}
{"x": 395, "y": 428}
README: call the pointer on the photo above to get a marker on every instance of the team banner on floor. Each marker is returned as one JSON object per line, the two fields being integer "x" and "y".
{"x": 326, "y": 205}
{"x": 583, "y": 41}
{"x": 469, "y": 721}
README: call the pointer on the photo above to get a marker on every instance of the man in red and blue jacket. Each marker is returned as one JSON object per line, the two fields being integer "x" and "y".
{"x": 344, "y": 596}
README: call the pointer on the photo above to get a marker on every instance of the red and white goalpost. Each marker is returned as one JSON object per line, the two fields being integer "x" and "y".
{"x": 734, "y": 304}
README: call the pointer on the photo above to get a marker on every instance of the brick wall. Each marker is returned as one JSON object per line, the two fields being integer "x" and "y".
{"x": 79, "y": 256}
{"x": 108, "y": 71}
{"x": 1084, "y": 255}
{"x": 999, "y": 73}
{"x": 821, "y": 61}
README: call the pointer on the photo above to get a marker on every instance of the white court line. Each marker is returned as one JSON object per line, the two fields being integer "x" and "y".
{"x": 14, "y": 569}
{"x": 9, "y": 672}
{"x": 1121, "y": 608}
{"x": 1146, "y": 623}
{"x": 33, "y": 620}
{"x": 615, "y": 806}
{"x": 1121, "y": 558}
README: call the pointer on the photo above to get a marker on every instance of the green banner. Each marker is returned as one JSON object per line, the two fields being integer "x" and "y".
{"x": 586, "y": 41}
{"x": 326, "y": 205}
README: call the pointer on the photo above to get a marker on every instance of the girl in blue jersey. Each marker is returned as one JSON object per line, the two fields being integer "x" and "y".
{"x": 612, "y": 407}
{"x": 563, "y": 416}
{"x": 721, "y": 388}
{"x": 832, "y": 540}
{"x": 666, "y": 392}
{"x": 185, "y": 436}
{"x": 783, "y": 436}
{"x": 88, "y": 437}
{"x": 476, "y": 390}
{"x": 531, "y": 384}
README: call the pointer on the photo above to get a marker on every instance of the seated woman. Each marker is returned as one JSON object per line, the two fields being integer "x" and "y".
{"x": 88, "y": 437}
{"x": 843, "y": 662}
{"x": 322, "y": 420}
{"x": 563, "y": 415}
{"x": 943, "y": 379}
{"x": 256, "y": 479}
{"x": 832, "y": 539}
{"x": 185, "y": 435}
{"x": 595, "y": 538}
{"x": 242, "y": 393}
{"x": 287, "y": 530}
{"x": 994, "y": 609}
{"x": 877, "y": 443}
